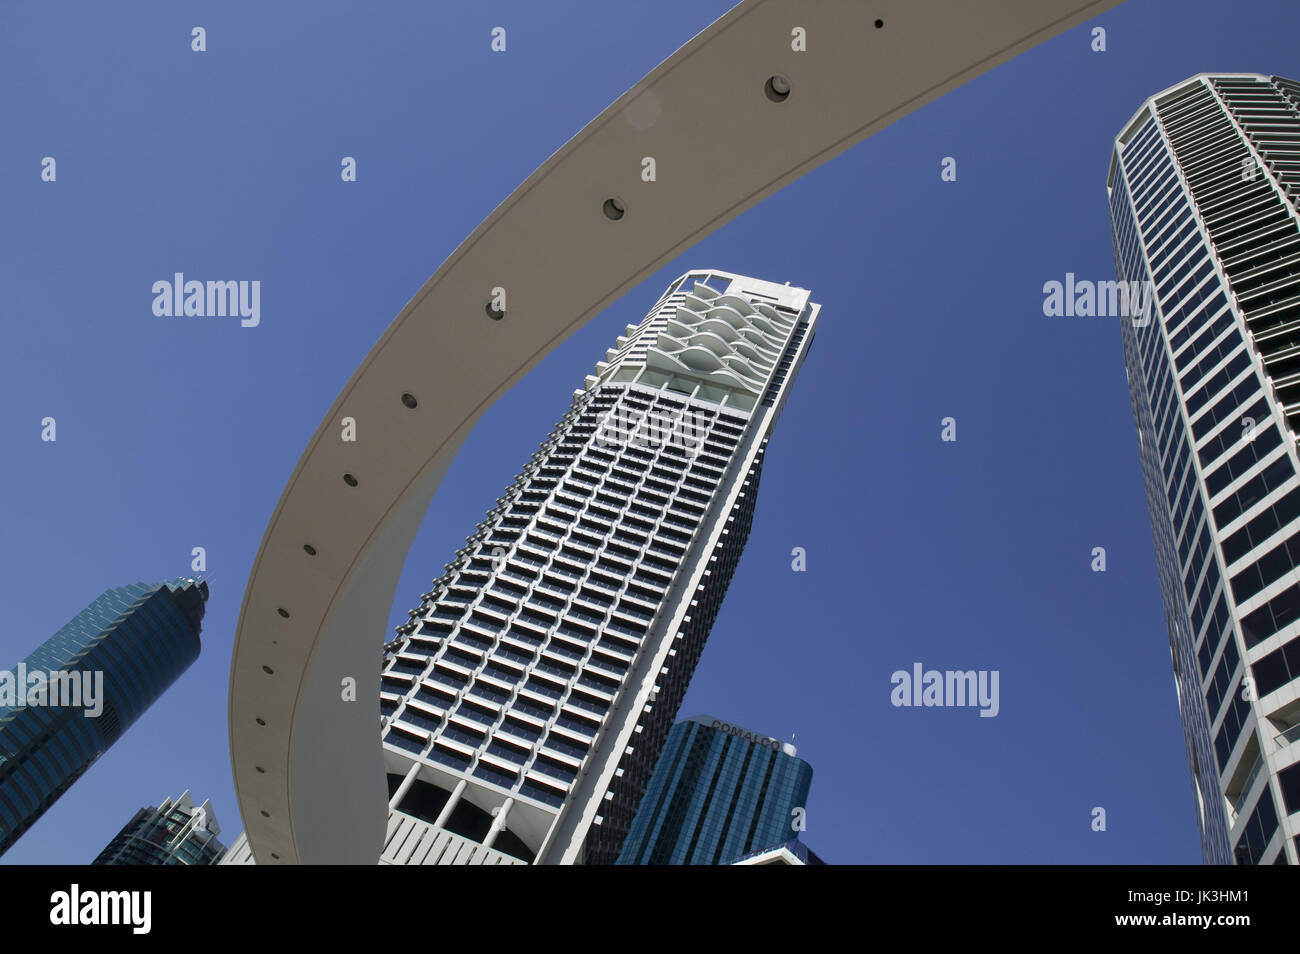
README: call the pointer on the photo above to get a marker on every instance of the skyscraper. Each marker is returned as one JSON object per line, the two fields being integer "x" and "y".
{"x": 72, "y": 698}
{"x": 721, "y": 794}
{"x": 525, "y": 703}
{"x": 174, "y": 833}
{"x": 1203, "y": 191}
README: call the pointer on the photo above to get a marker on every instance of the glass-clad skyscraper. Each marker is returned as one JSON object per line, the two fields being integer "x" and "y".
{"x": 718, "y": 795}
{"x": 1203, "y": 199}
{"x": 101, "y": 671}
{"x": 175, "y": 833}
{"x": 526, "y": 702}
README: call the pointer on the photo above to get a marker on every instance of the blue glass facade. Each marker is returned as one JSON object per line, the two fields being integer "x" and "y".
{"x": 718, "y": 794}
{"x": 138, "y": 639}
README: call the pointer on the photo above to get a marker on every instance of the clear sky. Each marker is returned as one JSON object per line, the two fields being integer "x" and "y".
{"x": 975, "y": 554}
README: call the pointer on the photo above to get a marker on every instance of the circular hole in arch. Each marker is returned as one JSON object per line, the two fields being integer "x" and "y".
{"x": 265, "y": 813}
{"x": 349, "y": 480}
{"x": 260, "y": 721}
{"x": 260, "y": 770}
{"x": 283, "y": 612}
{"x": 409, "y": 400}
{"x": 496, "y": 314}
{"x": 275, "y": 856}
{"x": 308, "y": 549}
{"x": 613, "y": 209}
{"x": 880, "y": 24}
{"x": 777, "y": 88}
{"x": 268, "y": 670}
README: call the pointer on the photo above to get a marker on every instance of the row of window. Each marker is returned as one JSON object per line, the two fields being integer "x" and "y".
{"x": 1251, "y": 453}
{"x": 1213, "y": 634}
{"x": 1224, "y": 409}
{"x": 539, "y": 695}
{"x": 1190, "y": 340}
{"x": 1270, "y": 519}
{"x": 1229, "y": 437}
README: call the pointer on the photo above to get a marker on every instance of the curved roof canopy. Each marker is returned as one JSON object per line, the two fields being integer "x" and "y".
{"x": 307, "y": 761}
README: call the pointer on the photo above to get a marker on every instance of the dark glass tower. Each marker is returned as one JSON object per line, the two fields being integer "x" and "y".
{"x": 174, "y": 833}
{"x": 719, "y": 794}
{"x": 133, "y": 642}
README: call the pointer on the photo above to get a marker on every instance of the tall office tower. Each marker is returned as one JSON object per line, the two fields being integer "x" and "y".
{"x": 174, "y": 833}
{"x": 721, "y": 795}
{"x": 100, "y": 672}
{"x": 1202, "y": 187}
{"x": 525, "y": 703}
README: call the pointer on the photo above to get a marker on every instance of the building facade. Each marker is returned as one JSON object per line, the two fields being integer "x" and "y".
{"x": 791, "y": 853}
{"x": 1203, "y": 201}
{"x": 100, "y": 672}
{"x": 721, "y": 795}
{"x": 174, "y": 833}
{"x": 526, "y": 702}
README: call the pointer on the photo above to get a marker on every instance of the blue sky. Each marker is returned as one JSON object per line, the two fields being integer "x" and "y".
{"x": 177, "y": 433}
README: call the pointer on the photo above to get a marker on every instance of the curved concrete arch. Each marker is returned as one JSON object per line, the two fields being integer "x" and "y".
{"x": 307, "y": 762}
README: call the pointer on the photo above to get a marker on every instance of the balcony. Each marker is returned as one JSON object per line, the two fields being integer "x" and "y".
{"x": 1290, "y": 735}
{"x": 580, "y": 727}
{"x": 1251, "y": 776}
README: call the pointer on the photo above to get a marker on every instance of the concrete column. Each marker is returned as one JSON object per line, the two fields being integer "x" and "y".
{"x": 405, "y": 786}
{"x": 451, "y": 804}
{"x": 498, "y": 823}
